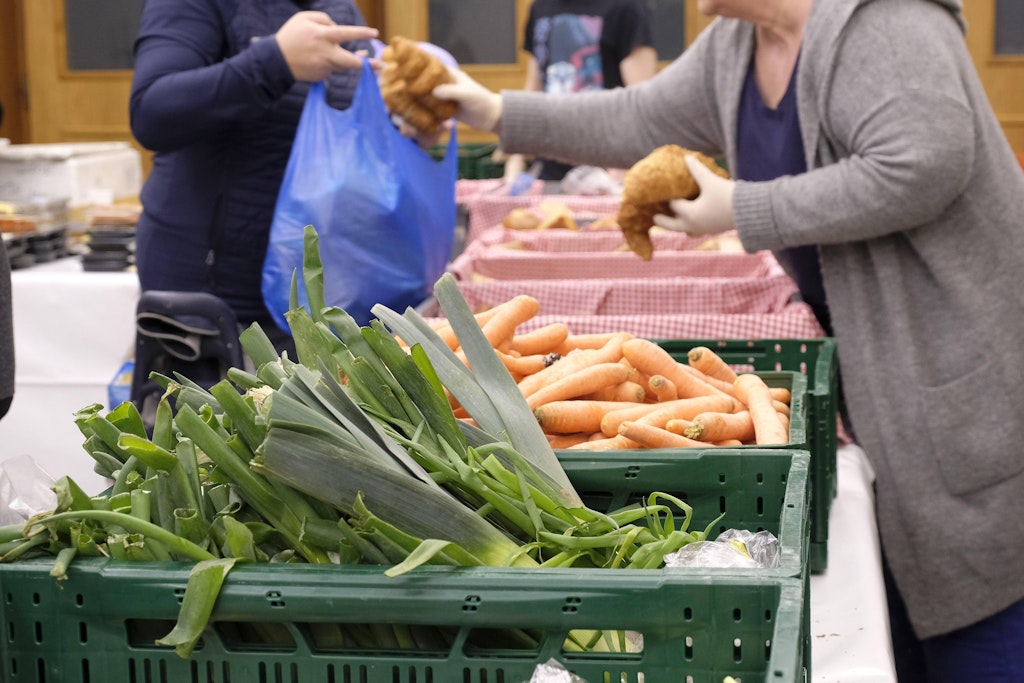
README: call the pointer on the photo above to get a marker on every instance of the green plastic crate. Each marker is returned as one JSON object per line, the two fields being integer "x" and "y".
{"x": 277, "y": 623}
{"x": 474, "y": 160}
{"x": 817, "y": 359}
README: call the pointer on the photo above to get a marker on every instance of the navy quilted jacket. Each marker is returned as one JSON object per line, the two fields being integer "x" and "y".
{"x": 213, "y": 98}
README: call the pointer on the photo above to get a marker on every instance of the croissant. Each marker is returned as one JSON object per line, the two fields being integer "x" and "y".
{"x": 647, "y": 188}
{"x": 409, "y": 76}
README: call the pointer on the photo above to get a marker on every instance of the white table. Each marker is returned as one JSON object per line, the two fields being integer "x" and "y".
{"x": 72, "y": 331}
{"x": 850, "y": 640}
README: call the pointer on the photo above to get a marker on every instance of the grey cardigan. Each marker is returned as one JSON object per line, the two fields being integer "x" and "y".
{"x": 917, "y": 204}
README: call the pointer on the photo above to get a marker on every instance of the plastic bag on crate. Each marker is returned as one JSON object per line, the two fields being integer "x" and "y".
{"x": 25, "y": 490}
{"x": 733, "y": 549}
{"x": 552, "y": 671}
{"x": 384, "y": 209}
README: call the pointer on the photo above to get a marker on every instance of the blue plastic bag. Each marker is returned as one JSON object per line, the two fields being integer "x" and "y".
{"x": 383, "y": 209}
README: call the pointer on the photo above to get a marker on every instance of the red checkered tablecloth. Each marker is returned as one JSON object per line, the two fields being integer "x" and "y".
{"x": 561, "y": 240}
{"x": 797, "y": 320}
{"x": 467, "y": 190}
{"x": 649, "y": 296}
{"x": 497, "y": 263}
{"x": 488, "y": 210}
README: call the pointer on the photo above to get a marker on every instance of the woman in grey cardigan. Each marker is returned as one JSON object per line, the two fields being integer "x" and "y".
{"x": 890, "y": 170}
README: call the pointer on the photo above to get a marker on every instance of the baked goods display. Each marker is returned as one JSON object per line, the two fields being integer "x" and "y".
{"x": 409, "y": 77}
{"x": 649, "y": 186}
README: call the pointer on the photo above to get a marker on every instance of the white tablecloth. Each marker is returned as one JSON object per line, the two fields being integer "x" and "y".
{"x": 72, "y": 331}
{"x": 849, "y": 618}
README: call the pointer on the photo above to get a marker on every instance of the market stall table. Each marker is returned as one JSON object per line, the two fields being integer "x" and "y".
{"x": 850, "y": 640}
{"x": 72, "y": 332}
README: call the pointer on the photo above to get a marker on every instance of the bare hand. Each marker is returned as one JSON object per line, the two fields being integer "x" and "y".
{"x": 710, "y": 213}
{"x": 310, "y": 43}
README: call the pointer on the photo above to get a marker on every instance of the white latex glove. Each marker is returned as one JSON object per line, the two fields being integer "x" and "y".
{"x": 478, "y": 106}
{"x": 710, "y": 213}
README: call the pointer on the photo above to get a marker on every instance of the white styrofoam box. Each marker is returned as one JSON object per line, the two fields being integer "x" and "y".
{"x": 84, "y": 173}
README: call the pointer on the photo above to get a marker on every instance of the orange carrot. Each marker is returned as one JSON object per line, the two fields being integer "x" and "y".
{"x": 522, "y": 365}
{"x": 729, "y": 442}
{"x": 710, "y": 363}
{"x": 660, "y": 413}
{"x": 720, "y": 426}
{"x": 781, "y": 408}
{"x": 616, "y": 443}
{"x": 678, "y": 426}
{"x": 663, "y": 388}
{"x": 725, "y": 387}
{"x": 584, "y": 381}
{"x": 768, "y": 429}
{"x": 611, "y": 352}
{"x": 576, "y": 415}
{"x": 445, "y": 331}
{"x": 624, "y": 392}
{"x": 781, "y": 394}
{"x": 563, "y": 441}
{"x": 585, "y": 341}
{"x": 651, "y": 359}
{"x": 650, "y": 436}
{"x": 542, "y": 340}
{"x": 507, "y": 316}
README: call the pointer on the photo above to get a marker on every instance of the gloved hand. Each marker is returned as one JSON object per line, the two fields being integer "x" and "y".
{"x": 478, "y": 106}
{"x": 710, "y": 213}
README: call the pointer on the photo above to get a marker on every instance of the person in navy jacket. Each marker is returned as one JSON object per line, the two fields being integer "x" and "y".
{"x": 217, "y": 93}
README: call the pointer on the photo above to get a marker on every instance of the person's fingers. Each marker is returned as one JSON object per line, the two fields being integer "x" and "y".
{"x": 341, "y": 59}
{"x": 343, "y": 34}
{"x": 317, "y": 17}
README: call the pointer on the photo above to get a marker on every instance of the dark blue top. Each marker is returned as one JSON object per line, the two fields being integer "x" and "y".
{"x": 768, "y": 146}
{"x": 213, "y": 98}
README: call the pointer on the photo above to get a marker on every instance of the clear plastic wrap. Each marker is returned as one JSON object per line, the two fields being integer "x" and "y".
{"x": 25, "y": 490}
{"x": 733, "y": 549}
{"x": 552, "y": 671}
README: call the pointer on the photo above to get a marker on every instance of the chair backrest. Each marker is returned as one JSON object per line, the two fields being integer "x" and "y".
{"x": 191, "y": 333}
{"x": 6, "y": 334}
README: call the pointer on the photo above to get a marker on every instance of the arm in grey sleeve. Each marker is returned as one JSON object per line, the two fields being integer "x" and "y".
{"x": 616, "y": 128}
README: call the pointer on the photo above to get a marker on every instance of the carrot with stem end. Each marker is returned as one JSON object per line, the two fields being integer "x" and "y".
{"x": 721, "y": 426}
{"x": 651, "y": 436}
{"x": 681, "y": 408}
{"x": 584, "y": 381}
{"x": 611, "y": 352}
{"x": 624, "y": 392}
{"x": 710, "y": 363}
{"x": 768, "y": 428}
{"x": 651, "y": 359}
{"x": 522, "y": 365}
{"x": 573, "y": 415}
{"x": 663, "y": 388}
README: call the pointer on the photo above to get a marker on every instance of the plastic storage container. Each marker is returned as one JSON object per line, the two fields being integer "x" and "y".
{"x": 816, "y": 358}
{"x": 285, "y": 623}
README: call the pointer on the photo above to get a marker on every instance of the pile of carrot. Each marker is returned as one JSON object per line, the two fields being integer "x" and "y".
{"x": 618, "y": 391}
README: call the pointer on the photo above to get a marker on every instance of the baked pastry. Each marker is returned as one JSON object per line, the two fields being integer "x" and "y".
{"x": 649, "y": 186}
{"x": 409, "y": 77}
